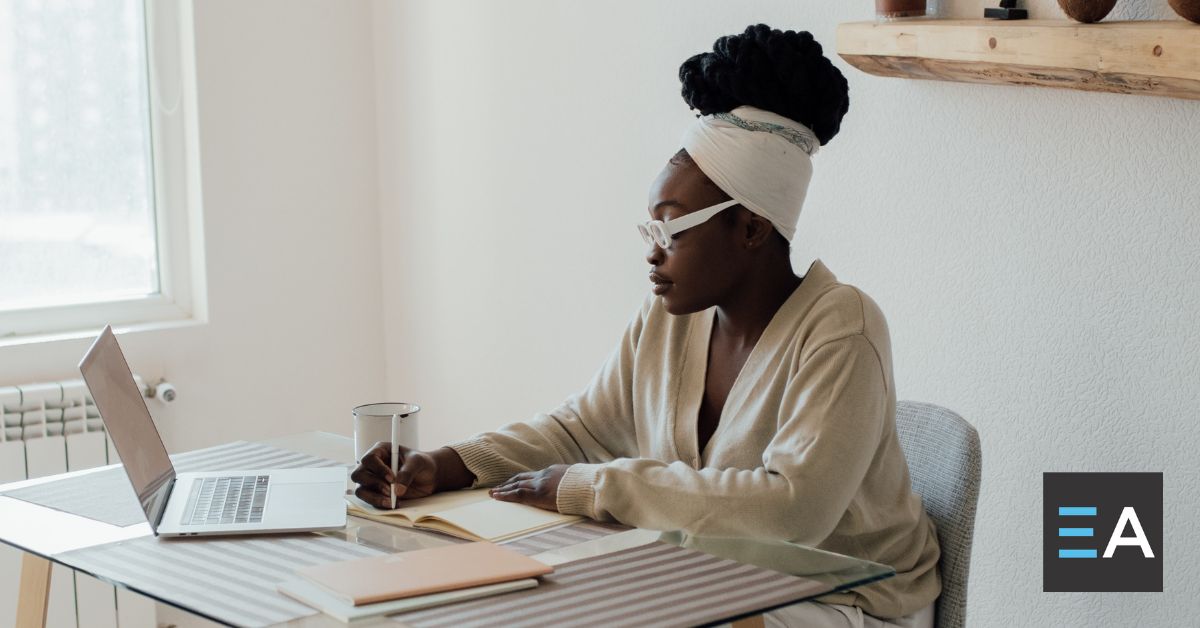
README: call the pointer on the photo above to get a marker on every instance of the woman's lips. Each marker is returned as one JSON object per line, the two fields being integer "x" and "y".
{"x": 660, "y": 288}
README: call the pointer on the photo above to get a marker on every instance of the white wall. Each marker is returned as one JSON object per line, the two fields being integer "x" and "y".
{"x": 1033, "y": 249}
{"x": 288, "y": 169}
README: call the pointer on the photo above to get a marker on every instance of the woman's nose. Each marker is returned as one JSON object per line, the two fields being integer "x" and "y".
{"x": 655, "y": 254}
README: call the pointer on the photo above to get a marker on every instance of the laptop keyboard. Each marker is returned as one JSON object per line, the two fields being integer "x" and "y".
{"x": 220, "y": 500}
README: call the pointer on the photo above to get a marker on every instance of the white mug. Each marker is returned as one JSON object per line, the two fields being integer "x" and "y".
{"x": 373, "y": 424}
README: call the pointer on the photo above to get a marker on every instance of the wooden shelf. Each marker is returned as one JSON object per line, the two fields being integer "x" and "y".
{"x": 1159, "y": 58}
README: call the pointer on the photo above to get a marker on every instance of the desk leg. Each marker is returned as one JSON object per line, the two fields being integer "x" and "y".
{"x": 749, "y": 622}
{"x": 34, "y": 592}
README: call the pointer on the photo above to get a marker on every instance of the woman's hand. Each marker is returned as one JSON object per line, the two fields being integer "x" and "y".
{"x": 532, "y": 488}
{"x": 416, "y": 475}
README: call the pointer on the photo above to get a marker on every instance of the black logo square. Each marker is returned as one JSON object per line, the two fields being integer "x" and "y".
{"x": 1102, "y": 531}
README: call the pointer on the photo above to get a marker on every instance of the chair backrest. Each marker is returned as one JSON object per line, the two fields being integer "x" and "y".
{"x": 944, "y": 460}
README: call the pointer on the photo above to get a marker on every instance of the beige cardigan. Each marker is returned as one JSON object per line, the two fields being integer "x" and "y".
{"x": 805, "y": 450}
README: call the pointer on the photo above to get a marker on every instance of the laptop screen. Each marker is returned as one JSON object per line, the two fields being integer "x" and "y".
{"x": 128, "y": 423}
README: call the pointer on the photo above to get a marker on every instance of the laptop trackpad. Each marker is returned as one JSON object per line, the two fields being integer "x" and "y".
{"x": 308, "y": 476}
{"x": 311, "y": 504}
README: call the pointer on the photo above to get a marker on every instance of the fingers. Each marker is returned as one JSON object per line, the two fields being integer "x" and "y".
{"x": 376, "y": 499}
{"x": 379, "y": 461}
{"x": 519, "y": 494}
{"x": 524, "y": 475}
{"x": 526, "y": 496}
{"x": 365, "y": 471}
{"x": 528, "y": 478}
{"x": 511, "y": 486}
{"x": 404, "y": 478}
{"x": 371, "y": 468}
{"x": 532, "y": 488}
{"x": 417, "y": 467}
{"x": 409, "y": 465}
{"x": 375, "y": 485}
{"x": 381, "y": 450}
{"x": 374, "y": 476}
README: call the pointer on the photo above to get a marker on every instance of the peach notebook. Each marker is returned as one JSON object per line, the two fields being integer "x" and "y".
{"x": 447, "y": 568}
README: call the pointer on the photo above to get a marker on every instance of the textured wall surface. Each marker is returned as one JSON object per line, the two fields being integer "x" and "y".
{"x": 1035, "y": 250}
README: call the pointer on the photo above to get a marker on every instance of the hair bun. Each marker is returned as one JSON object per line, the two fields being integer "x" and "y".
{"x": 781, "y": 71}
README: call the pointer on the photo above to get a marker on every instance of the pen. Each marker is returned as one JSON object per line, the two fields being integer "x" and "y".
{"x": 395, "y": 453}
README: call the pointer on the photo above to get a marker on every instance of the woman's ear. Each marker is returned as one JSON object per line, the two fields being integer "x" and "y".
{"x": 757, "y": 229}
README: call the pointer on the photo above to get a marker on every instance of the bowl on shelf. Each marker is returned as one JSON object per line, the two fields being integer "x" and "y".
{"x": 1187, "y": 9}
{"x": 1087, "y": 11}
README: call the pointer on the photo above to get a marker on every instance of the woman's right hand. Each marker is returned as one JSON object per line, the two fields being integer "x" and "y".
{"x": 416, "y": 475}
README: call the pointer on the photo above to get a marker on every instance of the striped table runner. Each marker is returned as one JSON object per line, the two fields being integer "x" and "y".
{"x": 652, "y": 585}
{"x": 230, "y": 580}
{"x": 107, "y": 496}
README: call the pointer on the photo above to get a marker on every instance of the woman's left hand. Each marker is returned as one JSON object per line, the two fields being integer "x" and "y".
{"x": 532, "y": 488}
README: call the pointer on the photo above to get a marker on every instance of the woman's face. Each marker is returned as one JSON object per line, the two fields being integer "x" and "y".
{"x": 702, "y": 263}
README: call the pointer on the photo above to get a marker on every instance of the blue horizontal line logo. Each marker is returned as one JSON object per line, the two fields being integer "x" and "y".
{"x": 1077, "y": 511}
{"x": 1076, "y": 553}
{"x": 1075, "y": 532}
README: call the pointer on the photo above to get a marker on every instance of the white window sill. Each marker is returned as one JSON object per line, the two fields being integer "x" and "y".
{"x": 46, "y": 338}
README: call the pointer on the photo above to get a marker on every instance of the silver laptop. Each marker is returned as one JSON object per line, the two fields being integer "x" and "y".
{"x": 205, "y": 503}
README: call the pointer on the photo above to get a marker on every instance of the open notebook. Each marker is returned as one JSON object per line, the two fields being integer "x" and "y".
{"x": 467, "y": 514}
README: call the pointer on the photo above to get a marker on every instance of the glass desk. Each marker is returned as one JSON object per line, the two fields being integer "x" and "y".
{"x": 51, "y": 535}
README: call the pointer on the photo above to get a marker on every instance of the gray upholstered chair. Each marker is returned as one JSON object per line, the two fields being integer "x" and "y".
{"x": 944, "y": 460}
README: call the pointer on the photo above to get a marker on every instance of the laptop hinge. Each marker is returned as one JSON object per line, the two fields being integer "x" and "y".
{"x": 163, "y": 509}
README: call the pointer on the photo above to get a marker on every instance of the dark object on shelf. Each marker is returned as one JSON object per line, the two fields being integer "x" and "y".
{"x": 1087, "y": 11}
{"x": 1187, "y": 9}
{"x": 1006, "y": 11}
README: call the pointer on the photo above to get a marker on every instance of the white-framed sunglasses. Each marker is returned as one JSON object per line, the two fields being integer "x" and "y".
{"x": 659, "y": 232}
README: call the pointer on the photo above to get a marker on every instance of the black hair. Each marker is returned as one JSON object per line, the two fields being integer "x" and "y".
{"x": 783, "y": 72}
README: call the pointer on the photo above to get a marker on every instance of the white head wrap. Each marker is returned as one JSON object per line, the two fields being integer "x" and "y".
{"x": 759, "y": 158}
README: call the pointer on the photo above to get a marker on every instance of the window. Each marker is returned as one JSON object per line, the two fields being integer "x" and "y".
{"x": 98, "y": 180}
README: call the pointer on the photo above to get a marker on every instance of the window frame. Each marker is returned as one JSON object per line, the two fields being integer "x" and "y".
{"x": 175, "y": 159}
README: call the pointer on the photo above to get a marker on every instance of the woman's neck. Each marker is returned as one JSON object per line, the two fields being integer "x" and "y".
{"x": 747, "y": 311}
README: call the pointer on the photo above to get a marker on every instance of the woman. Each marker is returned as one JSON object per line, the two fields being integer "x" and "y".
{"x": 742, "y": 401}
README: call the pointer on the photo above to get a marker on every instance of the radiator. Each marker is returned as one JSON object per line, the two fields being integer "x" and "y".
{"x": 52, "y": 428}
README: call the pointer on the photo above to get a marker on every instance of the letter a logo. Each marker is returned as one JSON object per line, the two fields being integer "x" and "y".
{"x": 1128, "y": 515}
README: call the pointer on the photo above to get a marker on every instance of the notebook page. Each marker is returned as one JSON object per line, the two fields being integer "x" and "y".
{"x": 414, "y": 509}
{"x": 496, "y": 520}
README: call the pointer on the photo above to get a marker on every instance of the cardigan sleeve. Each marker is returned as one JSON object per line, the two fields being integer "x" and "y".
{"x": 594, "y": 425}
{"x": 833, "y": 411}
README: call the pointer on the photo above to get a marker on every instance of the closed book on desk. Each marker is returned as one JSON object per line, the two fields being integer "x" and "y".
{"x": 469, "y": 514}
{"x": 337, "y": 608}
{"x": 419, "y": 572}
